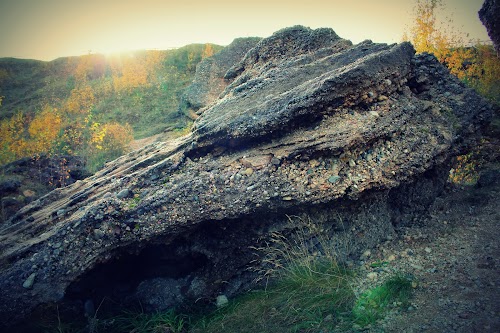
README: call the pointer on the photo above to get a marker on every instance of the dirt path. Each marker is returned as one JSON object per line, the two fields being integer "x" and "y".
{"x": 136, "y": 144}
{"x": 455, "y": 257}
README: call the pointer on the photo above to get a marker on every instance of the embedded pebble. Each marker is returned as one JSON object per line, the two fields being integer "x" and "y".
{"x": 248, "y": 172}
{"x": 98, "y": 233}
{"x": 123, "y": 193}
{"x": 221, "y": 301}
{"x": 28, "y": 284}
{"x": 333, "y": 179}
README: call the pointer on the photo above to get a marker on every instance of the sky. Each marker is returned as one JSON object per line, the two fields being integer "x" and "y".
{"x": 48, "y": 29}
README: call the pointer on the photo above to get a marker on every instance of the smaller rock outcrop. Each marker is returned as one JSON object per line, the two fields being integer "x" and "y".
{"x": 209, "y": 79}
{"x": 489, "y": 14}
{"x": 28, "y": 179}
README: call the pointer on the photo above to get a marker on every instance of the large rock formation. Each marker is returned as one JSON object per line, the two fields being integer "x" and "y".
{"x": 356, "y": 136}
{"x": 489, "y": 14}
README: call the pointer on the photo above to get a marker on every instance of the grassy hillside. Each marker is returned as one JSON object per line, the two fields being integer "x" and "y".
{"x": 92, "y": 105}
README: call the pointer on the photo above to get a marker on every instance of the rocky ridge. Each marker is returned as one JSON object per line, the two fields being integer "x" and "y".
{"x": 307, "y": 124}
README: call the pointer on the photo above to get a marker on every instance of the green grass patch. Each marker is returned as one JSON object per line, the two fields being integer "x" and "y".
{"x": 372, "y": 304}
{"x": 316, "y": 298}
{"x": 160, "y": 322}
{"x": 307, "y": 299}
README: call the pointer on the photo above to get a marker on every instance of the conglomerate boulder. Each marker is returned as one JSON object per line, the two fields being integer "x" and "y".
{"x": 357, "y": 137}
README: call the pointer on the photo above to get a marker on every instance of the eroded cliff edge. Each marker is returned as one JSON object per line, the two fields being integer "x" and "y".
{"x": 307, "y": 124}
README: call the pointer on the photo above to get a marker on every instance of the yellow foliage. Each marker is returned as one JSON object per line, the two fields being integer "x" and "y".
{"x": 81, "y": 100}
{"x": 73, "y": 138}
{"x": 426, "y": 35}
{"x": 90, "y": 66}
{"x": 44, "y": 130}
{"x": 132, "y": 74}
{"x": 22, "y": 138}
{"x": 465, "y": 171}
{"x": 136, "y": 70}
{"x": 118, "y": 137}
{"x": 154, "y": 60}
{"x": 478, "y": 66}
{"x": 111, "y": 137}
{"x": 84, "y": 69}
{"x": 208, "y": 51}
{"x": 12, "y": 132}
{"x": 98, "y": 134}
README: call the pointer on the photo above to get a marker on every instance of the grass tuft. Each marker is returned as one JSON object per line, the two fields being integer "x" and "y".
{"x": 160, "y": 322}
{"x": 372, "y": 304}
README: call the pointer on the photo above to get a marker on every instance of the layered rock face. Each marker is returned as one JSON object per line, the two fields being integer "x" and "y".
{"x": 357, "y": 137}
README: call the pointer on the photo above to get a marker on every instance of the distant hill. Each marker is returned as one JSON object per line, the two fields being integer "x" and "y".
{"x": 141, "y": 88}
{"x": 93, "y": 105}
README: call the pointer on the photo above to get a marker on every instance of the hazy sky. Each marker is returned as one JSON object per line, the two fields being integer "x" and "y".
{"x": 47, "y": 29}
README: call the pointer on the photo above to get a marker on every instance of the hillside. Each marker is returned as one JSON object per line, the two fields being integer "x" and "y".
{"x": 63, "y": 119}
{"x": 92, "y": 106}
{"x": 137, "y": 87}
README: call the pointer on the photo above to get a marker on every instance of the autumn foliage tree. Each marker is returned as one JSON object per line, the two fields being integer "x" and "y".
{"x": 477, "y": 65}
{"x": 81, "y": 100}
{"x": 131, "y": 71}
{"x": 208, "y": 51}
{"x": 44, "y": 131}
{"x": 87, "y": 102}
{"x": 70, "y": 129}
{"x": 12, "y": 138}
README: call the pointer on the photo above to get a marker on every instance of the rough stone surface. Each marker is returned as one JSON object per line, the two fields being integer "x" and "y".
{"x": 297, "y": 112}
{"x": 209, "y": 79}
{"x": 489, "y": 14}
{"x": 159, "y": 294}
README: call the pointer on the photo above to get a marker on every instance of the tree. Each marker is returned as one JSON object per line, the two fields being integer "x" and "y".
{"x": 81, "y": 100}
{"x": 425, "y": 34}
{"x": 476, "y": 65}
{"x": 44, "y": 130}
{"x": 154, "y": 62}
{"x": 12, "y": 137}
{"x": 90, "y": 67}
{"x": 208, "y": 51}
{"x": 129, "y": 72}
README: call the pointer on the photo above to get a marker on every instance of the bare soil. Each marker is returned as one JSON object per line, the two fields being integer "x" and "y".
{"x": 454, "y": 257}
